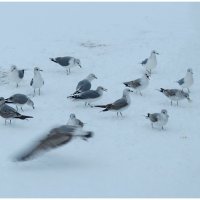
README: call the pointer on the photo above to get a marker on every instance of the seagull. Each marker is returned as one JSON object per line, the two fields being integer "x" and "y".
{"x": 20, "y": 100}
{"x": 85, "y": 84}
{"x": 56, "y": 137}
{"x": 73, "y": 121}
{"x": 175, "y": 94}
{"x": 67, "y": 62}
{"x": 9, "y": 113}
{"x": 158, "y": 119}
{"x": 151, "y": 62}
{"x": 16, "y": 75}
{"x": 187, "y": 81}
{"x": 139, "y": 84}
{"x": 120, "y": 104}
{"x": 37, "y": 81}
{"x": 89, "y": 95}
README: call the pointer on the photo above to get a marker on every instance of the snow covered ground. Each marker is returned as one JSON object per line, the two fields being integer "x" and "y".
{"x": 126, "y": 157}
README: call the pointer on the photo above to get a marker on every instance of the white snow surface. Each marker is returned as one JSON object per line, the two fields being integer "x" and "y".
{"x": 126, "y": 157}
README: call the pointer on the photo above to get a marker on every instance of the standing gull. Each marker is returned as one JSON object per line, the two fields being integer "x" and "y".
{"x": 73, "y": 121}
{"x": 85, "y": 84}
{"x": 119, "y": 105}
{"x": 16, "y": 75}
{"x": 37, "y": 81}
{"x": 139, "y": 84}
{"x": 20, "y": 100}
{"x": 67, "y": 62}
{"x": 9, "y": 113}
{"x": 57, "y": 137}
{"x": 187, "y": 81}
{"x": 151, "y": 62}
{"x": 90, "y": 95}
{"x": 175, "y": 94}
{"x": 158, "y": 119}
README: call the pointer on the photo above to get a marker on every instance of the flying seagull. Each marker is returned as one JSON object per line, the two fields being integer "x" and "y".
{"x": 67, "y": 62}
{"x": 56, "y": 137}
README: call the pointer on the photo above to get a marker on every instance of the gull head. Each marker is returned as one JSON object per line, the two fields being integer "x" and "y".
{"x": 78, "y": 62}
{"x": 154, "y": 52}
{"x": 2, "y": 100}
{"x": 91, "y": 77}
{"x": 72, "y": 116}
{"x": 189, "y": 70}
{"x": 13, "y": 68}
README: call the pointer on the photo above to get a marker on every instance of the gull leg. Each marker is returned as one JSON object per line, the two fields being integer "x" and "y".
{"x": 85, "y": 103}
{"x": 22, "y": 109}
{"x": 121, "y": 114}
{"x": 39, "y": 91}
{"x": 162, "y": 128}
{"x": 17, "y": 85}
{"x": 117, "y": 114}
{"x": 5, "y": 122}
{"x": 140, "y": 93}
{"x": 34, "y": 92}
{"x": 16, "y": 108}
{"x": 177, "y": 103}
{"x": 10, "y": 121}
{"x": 69, "y": 71}
{"x": 188, "y": 90}
{"x": 171, "y": 102}
{"x": 152, "y": 125}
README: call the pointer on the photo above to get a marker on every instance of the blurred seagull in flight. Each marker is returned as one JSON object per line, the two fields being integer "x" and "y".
{"x": 139, "y": 84}
{"x": 67, "y": 62}
{"x": 151, "y": 62}
{"x": 16, "y": 75}
{"x": 187, "y": 81}
{"x": 158, "y": 119}
{"x": 37, "y": 81}
{"x": 175, "y": 94}
{"x": 85, "y": 84}
{"x": 56, "y": 137}
{"x": 119, "y": 105}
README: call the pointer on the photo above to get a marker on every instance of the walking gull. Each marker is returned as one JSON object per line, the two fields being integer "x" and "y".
{"x": 175, "y": 94}
{"x": 73, "y": 121}
{"x": 119, "y": 105}
{"x": 56, "y": 137}
{"x": 37, "y": 81}
{"x": 139, "y": 84}
{"x": 151, "y": 62}
{"x": 85, "y": 84}
{"x": 9, "y": 113}
{"x": 16, "y": 75}
{"x": 89, "y": 96}
{"x": 187, "y": 81}
{"x": 67, "y": 62}
{"x": 158, "y": 119}
{"x": 20, "y": 100}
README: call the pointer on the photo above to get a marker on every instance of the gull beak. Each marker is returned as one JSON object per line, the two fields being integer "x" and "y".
{"x": 95, "y": 77}
{"x": 157, "y": 53}
{"x": 79, "y": 65}
{"x": 105, "y": 90}
{"x": 189, "y": 100}
{"x": 40, "y": 70}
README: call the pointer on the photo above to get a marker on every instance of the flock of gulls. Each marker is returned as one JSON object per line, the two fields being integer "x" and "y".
{"x": 74, "y": 128}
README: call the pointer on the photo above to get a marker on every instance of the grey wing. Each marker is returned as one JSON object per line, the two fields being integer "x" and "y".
{"x": 120, "y": 103}
{"x": 144, "y": 62}
{"x": 64, "y": 61}
{"x": 19, "y": 98}
{"x": 51, "y": 141}
{"x": 181, "y": 81}
{"x": 21, "y": 73}
{"x": 8, "y": 112}
{"x": 90, "y": 94}
{"x": 31, "y": 83}
{"x": 154, "y": 117}
{"x": 83, "y": 85}
{"x": 171, "y": 92}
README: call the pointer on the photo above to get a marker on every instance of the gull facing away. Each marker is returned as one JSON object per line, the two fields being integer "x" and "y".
{"x": 89, "y": 96}
{"x": 67, "y": 62}
{"x": 20, "y": 100}
{"x": 151, "y": 62}
{"x": 187, "y": 81}
{"x": 37, "y": 81}
{"x": 158, "y": 119}
{"x": 175, "y": 94}
{"x": 9, "y": 113}
{"x": 73, "y": 121}
{"x": 56, "y": 137}
{"x": 138, "y": 84}
{"x": 85, "y": 84}
{"x": 120, "y": 104}
{"x": 16, "y": 75}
